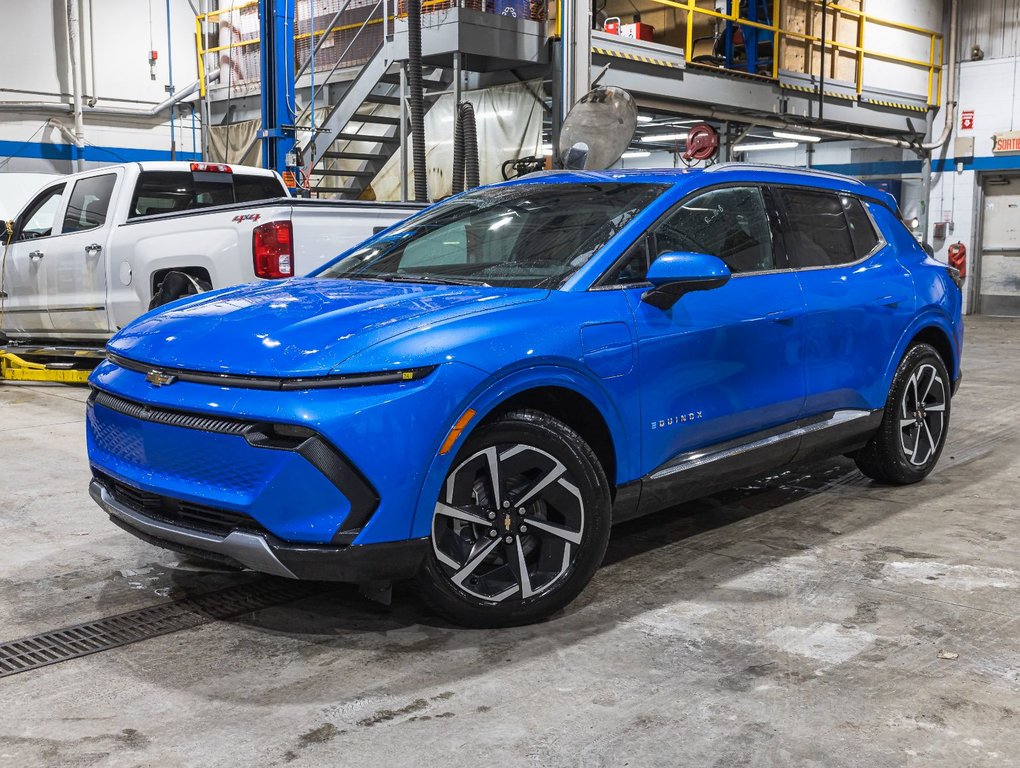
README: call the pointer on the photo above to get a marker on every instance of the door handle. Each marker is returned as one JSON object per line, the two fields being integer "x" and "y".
{"x": 888, "y": 301}
{"x": 94, "y": 248}
{"x": 36, "y": 255}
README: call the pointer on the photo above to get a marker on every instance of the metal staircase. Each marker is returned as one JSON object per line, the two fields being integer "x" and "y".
{"x": 362, "y": 130}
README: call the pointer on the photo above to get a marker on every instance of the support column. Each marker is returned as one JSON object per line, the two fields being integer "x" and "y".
{"x": 924, "y": 215}
{"x": 576, "y": 44}
{"x": 276, "y": 23}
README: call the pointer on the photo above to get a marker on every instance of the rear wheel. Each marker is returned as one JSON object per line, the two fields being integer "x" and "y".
{"x": 915, "y": 423}
{"x": 520, "y": 526}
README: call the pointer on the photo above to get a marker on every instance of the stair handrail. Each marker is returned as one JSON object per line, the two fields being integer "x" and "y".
{"x": 336, "y": 65}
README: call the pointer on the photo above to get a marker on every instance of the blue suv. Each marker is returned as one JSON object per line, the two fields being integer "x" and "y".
{"x": 474, "y": 396}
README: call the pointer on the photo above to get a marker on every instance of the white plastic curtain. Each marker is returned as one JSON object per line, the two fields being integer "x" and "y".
{"x": 509, "y": 120}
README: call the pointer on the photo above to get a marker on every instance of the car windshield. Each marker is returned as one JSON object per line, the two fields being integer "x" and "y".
{"x": 522, "y": 235}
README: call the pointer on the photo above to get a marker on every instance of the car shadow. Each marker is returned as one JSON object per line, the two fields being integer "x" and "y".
{"x": 709, "y": 551}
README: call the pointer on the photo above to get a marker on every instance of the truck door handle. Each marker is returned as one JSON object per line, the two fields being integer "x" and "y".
{"x": 94, "y": 248}
{"x": 36, "y": 255}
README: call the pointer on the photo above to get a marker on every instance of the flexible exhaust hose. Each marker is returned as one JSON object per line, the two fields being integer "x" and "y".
{"x": 469, "y": 136}
{"x": 416, "y": 100}
{"x": 458, "y": 149}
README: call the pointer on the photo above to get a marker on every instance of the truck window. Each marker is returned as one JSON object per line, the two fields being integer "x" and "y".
{"x": 173, "y": 191}
{"x": 41, "y": 215}
{"x": 89, "y": 203}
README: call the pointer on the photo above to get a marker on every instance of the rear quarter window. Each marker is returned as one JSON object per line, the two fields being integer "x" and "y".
{"x": 174, "y": 191}
{"x": 817, "y": 233}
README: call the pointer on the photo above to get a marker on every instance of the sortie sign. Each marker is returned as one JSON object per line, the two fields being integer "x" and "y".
{"x": 1007, "y": 143}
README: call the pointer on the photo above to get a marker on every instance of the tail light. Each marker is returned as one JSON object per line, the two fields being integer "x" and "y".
{"x": 272, "y": 249}
{"x": 211, "y": 168}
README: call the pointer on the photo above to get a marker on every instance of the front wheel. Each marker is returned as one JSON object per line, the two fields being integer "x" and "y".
{"x": 520, "y": 526}
{"x": 915, "y": 423}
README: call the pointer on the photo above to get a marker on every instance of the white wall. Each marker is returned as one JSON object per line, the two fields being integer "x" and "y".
{"x": 34, "y": 67}
{"x": 892, "y": 76}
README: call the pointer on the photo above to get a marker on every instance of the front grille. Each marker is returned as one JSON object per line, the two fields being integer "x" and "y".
{"x": 168, "y": 416}
{"x": 184, "y": 513}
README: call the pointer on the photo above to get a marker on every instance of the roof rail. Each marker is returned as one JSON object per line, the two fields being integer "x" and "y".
{"x": 784, "y": 169}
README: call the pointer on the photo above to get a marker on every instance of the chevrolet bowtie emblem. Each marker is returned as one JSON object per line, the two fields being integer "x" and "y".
{"x": 160, "y": 379}
{"x": 507, "y": 522}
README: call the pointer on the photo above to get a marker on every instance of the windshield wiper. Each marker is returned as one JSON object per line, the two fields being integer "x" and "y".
{"x": 398, "y": 277}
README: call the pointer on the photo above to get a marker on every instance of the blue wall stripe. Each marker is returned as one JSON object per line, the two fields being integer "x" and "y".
{"x": 67, "y": 152}
{"x": 900, "y": 167}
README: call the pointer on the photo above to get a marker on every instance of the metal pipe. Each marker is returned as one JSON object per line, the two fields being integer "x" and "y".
{"x": 64, "y": 109}
{"x": 92, "y": 93}
{"x": 403, "y": 132}
{"x": 73, "y": 52}
{"x": 170, "y": 72}
{"x": 952, "y": 84}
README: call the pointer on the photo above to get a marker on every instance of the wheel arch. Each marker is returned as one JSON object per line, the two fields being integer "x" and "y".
{"x": 932, "y": 328}
{"x": 564, "y": 393}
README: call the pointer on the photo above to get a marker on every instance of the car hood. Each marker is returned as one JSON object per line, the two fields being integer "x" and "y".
{"x": 299, "y": 327}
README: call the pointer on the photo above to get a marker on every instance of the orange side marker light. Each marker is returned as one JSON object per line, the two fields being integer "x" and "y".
{"x": 455, "y": 432}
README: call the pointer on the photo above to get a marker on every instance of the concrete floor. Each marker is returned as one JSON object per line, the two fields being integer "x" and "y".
{"x": 796, "y": 621}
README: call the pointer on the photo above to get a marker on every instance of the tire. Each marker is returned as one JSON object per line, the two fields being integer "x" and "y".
{"x": 484, "y": 540}
{"x": 910, "y": 439}
{"x": 177, "y": 285}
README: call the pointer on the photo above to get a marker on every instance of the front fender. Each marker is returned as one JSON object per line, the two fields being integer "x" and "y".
{"x": 498, "y": 388}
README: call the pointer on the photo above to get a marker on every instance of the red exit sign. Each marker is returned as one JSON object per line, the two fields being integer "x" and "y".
{"x": 1007, "y": 143}
{"x": 967, "y": 120}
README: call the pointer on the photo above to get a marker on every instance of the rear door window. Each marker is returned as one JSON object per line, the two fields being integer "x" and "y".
{"x": 174, "y": 191}
{"x": 817, "y": 233}
{"x": 89, "y": 203}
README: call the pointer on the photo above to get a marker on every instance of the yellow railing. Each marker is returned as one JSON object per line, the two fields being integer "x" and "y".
{"x": 201, "y": 50}
{"x": 933, "y": 65}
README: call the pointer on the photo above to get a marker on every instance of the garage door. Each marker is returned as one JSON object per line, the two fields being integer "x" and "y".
{"x": 999, "y": 290}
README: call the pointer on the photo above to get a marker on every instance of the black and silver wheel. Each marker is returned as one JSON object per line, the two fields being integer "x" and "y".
{"x": 915, "y": 423}
{"x": 520, "y": 526}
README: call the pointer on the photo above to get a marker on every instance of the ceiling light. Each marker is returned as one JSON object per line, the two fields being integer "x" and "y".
{"x": 796, "y": 136}
{"x": 665, "y": 138}
{"x": 765, "y": 147}
{"x": 644, "y": 119}
{"x": 631, "y": 155}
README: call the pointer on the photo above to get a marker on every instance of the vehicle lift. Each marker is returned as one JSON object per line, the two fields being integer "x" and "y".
{"x": 52, "y": 364}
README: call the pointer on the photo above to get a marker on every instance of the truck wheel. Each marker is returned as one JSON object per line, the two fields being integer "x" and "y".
{"x": 177, "y": 285}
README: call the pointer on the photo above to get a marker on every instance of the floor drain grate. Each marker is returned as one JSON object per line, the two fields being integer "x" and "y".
{"x": 114, "y": 631}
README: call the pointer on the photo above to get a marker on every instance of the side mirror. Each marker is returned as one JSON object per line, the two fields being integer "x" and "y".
{"x": 678, "y": 272}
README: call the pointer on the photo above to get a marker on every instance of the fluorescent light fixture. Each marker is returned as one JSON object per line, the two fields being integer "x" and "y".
{"x": 547, "y": 149}
{"x": 664, "y": 138}
{"x": 644, "y": 118}
{"x": 796, "y": 136}
{"x": 765, "y": 147}
{"x": 632, "y": 155}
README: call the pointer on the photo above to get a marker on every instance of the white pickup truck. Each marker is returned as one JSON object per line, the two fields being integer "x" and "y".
{"x": 90, "y": 250}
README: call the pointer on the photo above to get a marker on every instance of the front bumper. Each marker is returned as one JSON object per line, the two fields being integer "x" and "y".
{"x": 265, "y": 553}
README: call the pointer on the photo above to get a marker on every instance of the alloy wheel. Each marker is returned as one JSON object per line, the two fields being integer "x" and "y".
{"x": 509, "y": 523}
{"x": 922, "y": 415}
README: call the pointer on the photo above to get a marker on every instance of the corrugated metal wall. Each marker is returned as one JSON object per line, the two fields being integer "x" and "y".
{"x": 992, "y": 24}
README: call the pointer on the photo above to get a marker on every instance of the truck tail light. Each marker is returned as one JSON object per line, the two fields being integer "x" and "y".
{"x": 211, "y": 168}
{"x": 272, "y": 249}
